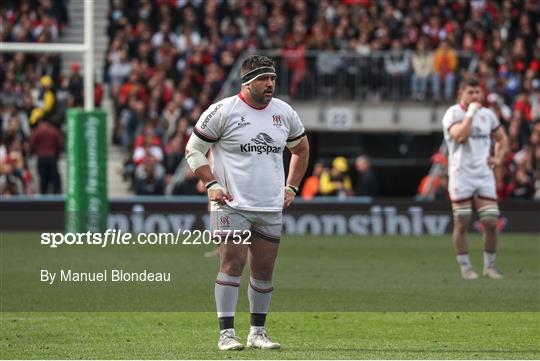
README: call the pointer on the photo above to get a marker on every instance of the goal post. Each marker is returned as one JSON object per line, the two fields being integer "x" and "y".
{"x": 86, "y": 204}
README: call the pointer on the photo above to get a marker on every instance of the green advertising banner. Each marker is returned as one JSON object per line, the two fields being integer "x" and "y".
{"x": 86, "y": 196}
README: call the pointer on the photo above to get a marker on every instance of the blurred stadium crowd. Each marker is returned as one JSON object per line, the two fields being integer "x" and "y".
{"x": 27, "y": 95}
{"x": 168, "y": 59}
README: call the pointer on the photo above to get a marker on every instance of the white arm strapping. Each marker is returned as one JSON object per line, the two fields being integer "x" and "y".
{"x": 294, "y": 143}
{"x": 196, "y": 150}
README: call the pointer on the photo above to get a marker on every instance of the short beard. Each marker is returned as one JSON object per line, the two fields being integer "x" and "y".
{"x": 260, "y": 98}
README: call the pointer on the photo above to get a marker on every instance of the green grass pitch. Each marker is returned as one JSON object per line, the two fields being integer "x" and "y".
{"x": 335, "y": 298}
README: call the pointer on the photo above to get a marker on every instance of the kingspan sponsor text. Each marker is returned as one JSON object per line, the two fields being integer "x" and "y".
{"x": 259, "y": 148}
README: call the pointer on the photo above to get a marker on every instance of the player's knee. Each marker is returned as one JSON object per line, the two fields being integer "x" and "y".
{"x": 232, "y": 269}
{"x": 460, "y": 229}
{"x": 489, "y": 224}
{"x": 489, "y": 215}
{"x": 262, "y": 268}
{"x": 232, "y": 266}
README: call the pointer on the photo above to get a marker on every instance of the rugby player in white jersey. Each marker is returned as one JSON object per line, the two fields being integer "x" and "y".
{"x": 468, "y": 130}
{"x": 246, "y": 185}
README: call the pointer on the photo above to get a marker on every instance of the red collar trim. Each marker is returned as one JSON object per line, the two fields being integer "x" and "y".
{"x": 245, "y": 101}
{"x": 462, "y": 107}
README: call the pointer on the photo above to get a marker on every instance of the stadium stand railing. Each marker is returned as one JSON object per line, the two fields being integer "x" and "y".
{"x": 346, "y": 75}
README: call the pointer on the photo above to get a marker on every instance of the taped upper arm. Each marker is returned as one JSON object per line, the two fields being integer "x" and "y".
{"x": 302, "y": 145}
{"x": 295, "y": 141}
{"x": 196, "y": 150}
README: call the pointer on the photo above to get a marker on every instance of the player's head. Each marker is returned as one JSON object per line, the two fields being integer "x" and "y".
{"x": 470, "y": 91}
{"x": 258, "y": 78}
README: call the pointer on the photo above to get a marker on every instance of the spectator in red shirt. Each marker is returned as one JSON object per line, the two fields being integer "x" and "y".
{"x": 75, "y": 86}
{"x": 523, "y": 108}
{"x": 148, "y": 135}
{"x": 47, "y": 142}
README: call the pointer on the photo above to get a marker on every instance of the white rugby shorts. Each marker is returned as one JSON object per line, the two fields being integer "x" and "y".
{"x": 463, "y": 188}
{"x": 265, "y": 225}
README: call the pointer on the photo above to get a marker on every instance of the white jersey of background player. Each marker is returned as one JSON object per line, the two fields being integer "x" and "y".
{"x": 468, "y": 168}
{"x": 468, "y": 130}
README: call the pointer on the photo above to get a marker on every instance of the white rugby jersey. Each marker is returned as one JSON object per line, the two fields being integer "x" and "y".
{"x": 247, "y": 148}
{"x": 470, "y": 158}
